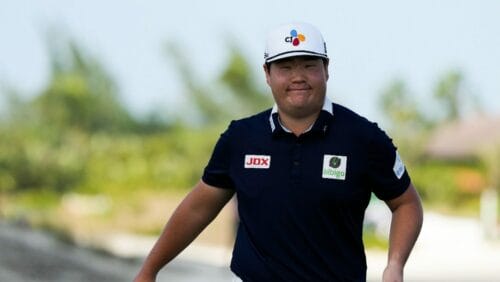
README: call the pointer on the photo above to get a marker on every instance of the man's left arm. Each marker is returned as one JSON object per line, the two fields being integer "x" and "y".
{"x": 407, "y": 218}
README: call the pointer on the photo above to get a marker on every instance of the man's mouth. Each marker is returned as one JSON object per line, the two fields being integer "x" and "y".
{"x": 304, "y": 88}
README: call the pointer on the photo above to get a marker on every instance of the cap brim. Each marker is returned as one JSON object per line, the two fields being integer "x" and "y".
{"x": 295, "y": 53}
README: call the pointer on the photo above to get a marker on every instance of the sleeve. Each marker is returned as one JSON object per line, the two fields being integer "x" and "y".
{"x": 216, "y": 172}
{"x": 387, "y": 173}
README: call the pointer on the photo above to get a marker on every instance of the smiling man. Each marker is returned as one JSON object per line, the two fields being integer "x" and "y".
{"x": 303, "y": 173}
{"x": 298, "y": 85}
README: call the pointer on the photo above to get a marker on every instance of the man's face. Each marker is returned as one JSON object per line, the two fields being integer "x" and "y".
{"x": 298, "y": 84}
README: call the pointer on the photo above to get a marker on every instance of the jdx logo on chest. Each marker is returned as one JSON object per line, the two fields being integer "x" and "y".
{"x": 257, "y": 161}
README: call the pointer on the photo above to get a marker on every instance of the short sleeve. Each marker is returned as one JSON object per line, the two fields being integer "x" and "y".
{"x": 387, "y": 173}
{"x": 216, "y": 172}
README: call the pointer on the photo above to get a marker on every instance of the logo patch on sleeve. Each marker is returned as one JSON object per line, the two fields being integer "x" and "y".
{"x": 334, "y": 167}
{"x": 257, "y": 161}
{"x": 399, "y": 167}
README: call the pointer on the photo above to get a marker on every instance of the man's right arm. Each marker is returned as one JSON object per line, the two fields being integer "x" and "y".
{"x": 193, "y": 214}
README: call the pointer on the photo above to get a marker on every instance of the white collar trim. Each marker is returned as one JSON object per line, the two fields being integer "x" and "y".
{"x": 327, "y": 107}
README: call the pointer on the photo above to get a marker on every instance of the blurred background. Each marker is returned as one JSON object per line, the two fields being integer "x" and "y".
{"x": 109, "y": 111}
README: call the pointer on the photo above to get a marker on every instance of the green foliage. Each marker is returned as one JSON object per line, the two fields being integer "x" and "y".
{"x": 450, "y": 186}
{"x": 407, "y": 122}
{"x": 405, "y": 115}
{"x": 80, "y": 94}
{"x": 235, "y": 94}
{"x": 455, "y": 98}
{"x": 401, "y": 109}
{"x": 43, "y": 144}
{"x": 490, "y": 156}
{"x": 76, "y": 136}
{"x": 208, "y": 107}
{"x": 173, "y": 160}
{"x": 239, "y": 79}
{"x": 454, "y": 186}
{"x": 448, "y": 92}
{"x": 29, "y": 162}
{"x": 102, "y": 162}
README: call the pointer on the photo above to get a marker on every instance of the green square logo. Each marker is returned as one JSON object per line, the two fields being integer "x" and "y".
{"x": 334, "y": 167}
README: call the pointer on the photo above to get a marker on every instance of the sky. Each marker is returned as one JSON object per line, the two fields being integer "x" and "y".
{"x": 370, "y": 44}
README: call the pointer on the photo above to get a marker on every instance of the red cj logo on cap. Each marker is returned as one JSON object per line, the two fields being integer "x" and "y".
{"x": 295, "y": 38}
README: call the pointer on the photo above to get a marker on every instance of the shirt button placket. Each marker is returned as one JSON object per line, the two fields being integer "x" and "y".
{"x": 296, "y": 162}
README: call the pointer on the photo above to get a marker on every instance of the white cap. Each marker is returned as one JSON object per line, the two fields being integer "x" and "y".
{"x": 294, "y": 39}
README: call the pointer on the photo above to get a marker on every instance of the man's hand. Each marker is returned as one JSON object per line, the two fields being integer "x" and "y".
{"x": 194, "y": 213}
{"x": 407, "y": 217}
{"x": 393, "y": 273}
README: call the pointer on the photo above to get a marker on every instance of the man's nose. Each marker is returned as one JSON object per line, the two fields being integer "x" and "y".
{"x": 298, "y": 74}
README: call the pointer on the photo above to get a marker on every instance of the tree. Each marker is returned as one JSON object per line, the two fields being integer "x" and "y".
{"x": 234, "y": 94}
{"x": 453, "y": 95}
{"x": 44, "y": 140}
{"x": 239, "y": 79}
{"x": 401, "y": 109}
{"x": 80, "y": 94}
{"x": 208, "y": 109}
{"x": 448, "y": 93}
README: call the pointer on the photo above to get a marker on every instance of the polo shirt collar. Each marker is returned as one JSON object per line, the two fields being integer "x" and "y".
{"x": 326, "y": 112}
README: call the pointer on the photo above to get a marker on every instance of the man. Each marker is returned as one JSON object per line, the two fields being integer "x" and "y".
{"x": 303, "y": 173}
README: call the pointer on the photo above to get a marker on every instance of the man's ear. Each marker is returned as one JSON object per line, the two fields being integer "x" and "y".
{"x": 267, "y": 69}
{"x": 326, "y": 63}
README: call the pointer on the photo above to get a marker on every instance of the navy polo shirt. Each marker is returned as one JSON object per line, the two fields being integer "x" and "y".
{"x": 301, "y": 200}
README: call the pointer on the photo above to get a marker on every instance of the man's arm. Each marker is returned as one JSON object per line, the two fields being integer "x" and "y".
{"x": 193, "y": 214}
{"x": 407, "y": 218}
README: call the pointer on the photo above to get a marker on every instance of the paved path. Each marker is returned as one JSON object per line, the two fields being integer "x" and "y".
{"x": 28, "y": 255}
{"x": 449, "y": 249}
